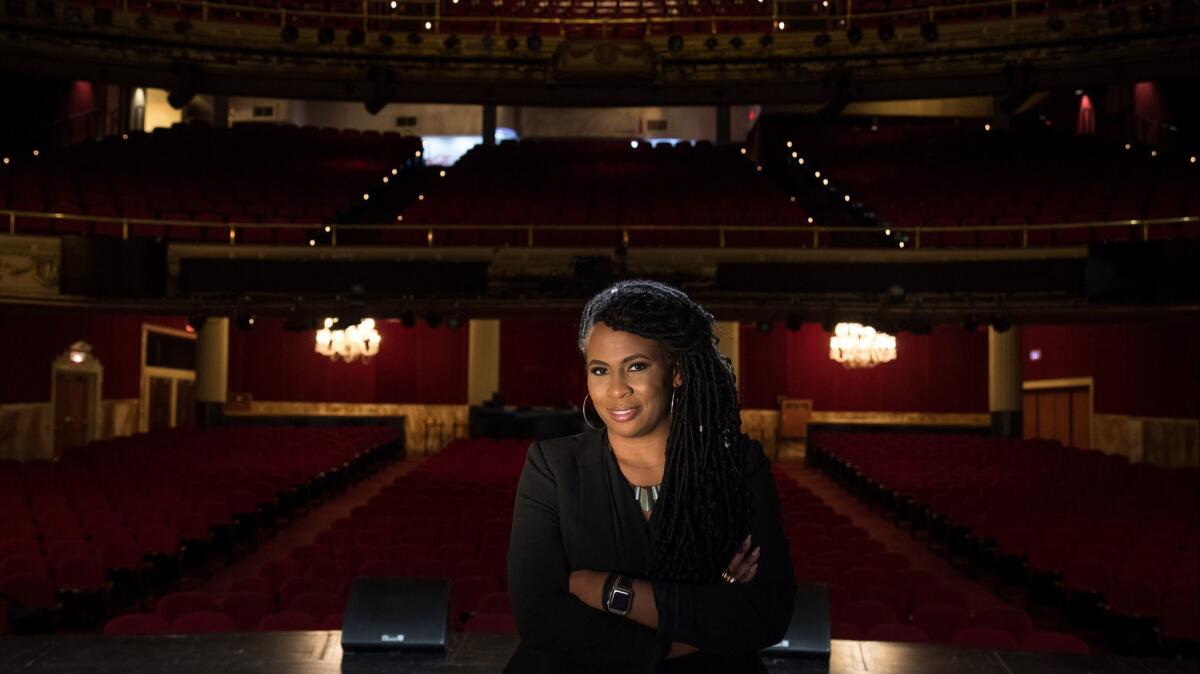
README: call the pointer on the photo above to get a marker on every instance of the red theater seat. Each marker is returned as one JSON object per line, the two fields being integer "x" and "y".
{"x": 1055, "y": 642}
{"x": 866, "y": 614}
{"x": 176, "y": 604}
{"x": 984, "y": 637}
{"x": 247, "y": 609}
{"x": 1014, "y": 621}
{"x": 940, "y": 621}
{"x": 202, "y": 622}
{"x": 137, "y": 623}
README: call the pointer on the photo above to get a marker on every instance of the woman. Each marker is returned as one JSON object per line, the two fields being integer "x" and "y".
{"x": 652, "y": 543}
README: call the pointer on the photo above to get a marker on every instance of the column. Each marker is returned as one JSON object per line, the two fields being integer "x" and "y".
{"x": 483, "y": 360}
{"x": 1005, "y": 378}
{"x": 220, "y": 111}
{"x": 729, "y": 336}
{"x": 489, "y": 124}
{"x": 212, "y": 371}
{"x": 723, "y": 121}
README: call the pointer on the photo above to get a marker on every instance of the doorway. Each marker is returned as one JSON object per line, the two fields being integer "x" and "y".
{"x": 76, "y": 379}
{"x": 168, "y": 379}
{"x": 1059, "y": 409}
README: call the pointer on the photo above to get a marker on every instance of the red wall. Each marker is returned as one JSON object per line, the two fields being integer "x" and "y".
{"x": 30, "y": 340}
{"x": 1139, "y": 369}
{"x": 540, "y": 363}
{"x": 414, "y": 365}
{"x": 945, "y": 371}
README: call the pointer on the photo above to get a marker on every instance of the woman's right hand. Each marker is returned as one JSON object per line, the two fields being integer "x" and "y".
{"x": 744, "y": 564}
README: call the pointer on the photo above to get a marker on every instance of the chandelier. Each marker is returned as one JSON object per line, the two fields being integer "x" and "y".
{"x": 349, "y": 343}
{"x": 857, "y": 346}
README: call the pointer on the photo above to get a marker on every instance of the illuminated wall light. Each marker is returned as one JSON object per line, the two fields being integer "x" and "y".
{"x": 385, "y": 179}
{"x": 311, "y": 242}
{"x": 428, "y": 25}
{"x": 758, "y": 168}
{"x": 420, "y": 197}
{"x": 782, "y": 25}
{"x": 395, "y": 171}
{"x": 824, "y": 181}
{"x": 6, "y": 160}
{"x": 743, "y": 150}
{"x": 802, "y": 161}
{"x": 1191, "y": 160}
{"x": 987, "y": 127}
{"x": 418, "y": 154}
{"x": 789, "y": 144}
{"x": 124, "y": 136}
{"x": 901, "y": 244}
{"x": 887, "y": 232}
{"x": 846, "y": 198}
{"x": 366, "y": 197}
{"x": 1153, "y": 153}
{"x": 633, "y": 144}
{"x": 328, "y": 229}
{"x": 795, "y": 154}
{"x": 1035, "y": 354}
{"x": 792, "y": 199}
{"x": 393, "y": 4}
{"x": 442, "y": 173}
{"x": 36, "y": 152}
{"x": 399, "y": 218}
{"x": 1128, "y": 146}
{"x": 810, "y": 220}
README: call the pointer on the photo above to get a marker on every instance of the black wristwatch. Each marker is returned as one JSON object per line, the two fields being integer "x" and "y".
{"x": 618, "y": 594}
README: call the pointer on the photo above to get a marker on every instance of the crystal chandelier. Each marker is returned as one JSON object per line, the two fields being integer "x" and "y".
{"x": 856, "y": 346}
{"x": 349, "y": 343}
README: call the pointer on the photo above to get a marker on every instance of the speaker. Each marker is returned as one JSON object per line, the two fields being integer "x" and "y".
{"x": 102, "y": 266}
{"x": 396, "y": 614}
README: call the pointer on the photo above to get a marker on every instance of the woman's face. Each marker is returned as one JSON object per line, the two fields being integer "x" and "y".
{"x": 629, "y": 379}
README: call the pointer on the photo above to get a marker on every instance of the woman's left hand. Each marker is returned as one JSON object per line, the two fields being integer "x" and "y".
{"x": 588, "y": 585}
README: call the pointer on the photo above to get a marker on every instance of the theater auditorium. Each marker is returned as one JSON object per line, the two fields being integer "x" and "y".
{"x": 291, "y": 297}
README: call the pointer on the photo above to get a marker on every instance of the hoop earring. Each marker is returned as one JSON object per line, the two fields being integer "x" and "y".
{"x": 583, "y": 410}
{"x": 672, "y": 410}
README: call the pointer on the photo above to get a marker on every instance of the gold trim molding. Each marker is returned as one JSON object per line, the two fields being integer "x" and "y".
{"x": 902, "y": 419}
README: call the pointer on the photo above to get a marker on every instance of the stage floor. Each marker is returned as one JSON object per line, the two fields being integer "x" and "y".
{"x": 321, "y": 653}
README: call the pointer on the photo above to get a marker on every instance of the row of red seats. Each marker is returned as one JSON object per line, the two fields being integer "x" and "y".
{"x": 977, "y": 177}
{"x": 1120, "y": 538}
{"x": 267, "y": 174}
{"x": 449, "y": 517}
{"x": 875, "y": 594}
{"x": 109, "y": 523}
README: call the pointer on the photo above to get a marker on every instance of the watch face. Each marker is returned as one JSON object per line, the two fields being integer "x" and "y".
{"x": 620, "y": 600}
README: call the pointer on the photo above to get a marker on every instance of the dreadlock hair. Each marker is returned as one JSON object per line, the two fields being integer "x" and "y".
{"x": 703, "y": 509}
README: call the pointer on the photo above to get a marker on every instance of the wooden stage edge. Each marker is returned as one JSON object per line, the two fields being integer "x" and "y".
{"x": 321, "y": 653}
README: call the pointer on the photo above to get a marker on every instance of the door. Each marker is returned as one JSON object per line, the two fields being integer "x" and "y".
{"x": 71, "y": 411}
{"x": 160, "y": 404}
{"x": 1063, "y": 414}
{"x": 185, "y": 403}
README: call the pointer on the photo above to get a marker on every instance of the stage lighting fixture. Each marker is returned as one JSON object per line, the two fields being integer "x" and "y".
{"x": 675, "y": 43}
{"x": 355, "y": 38}
{"x": 766, "y": 40}
{"x": 512, "y": 43}
{"x": 386, "y": 39}
{"x": 794, "y": 322}
{"x": 182, "y": 26}
{"x": 711, "y": 42}
{"x": 489, "y": 41}
{"x": 887, "y": 30}
{"x": 737, "y": 42}
{"x": 1056, "y": 24}
{"x": 383, "y": 88}
{"x": 822, "y": 39}
{"x": 854, "y": 34}
{"x": 433, "y": 319}
{"x": 186, "y": 74}
{"x": 289, "y": 34}
{"x": 325, "y": 35}
{"x": 534, "y": 42}
{"x": 765, "y": 326}
{"x": 408, "y": 319}
{"x": 143, "y": 22}
{"x": 452, "y": 42}
{"x": 929, "y": 31}
{"x": 414, "y": 38}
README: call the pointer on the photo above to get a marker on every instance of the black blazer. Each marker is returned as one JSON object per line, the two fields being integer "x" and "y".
{"x": 575, "y": 510}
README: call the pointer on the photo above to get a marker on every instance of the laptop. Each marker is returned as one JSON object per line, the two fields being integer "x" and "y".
{"x": 807, "y": 635}
{"x": 396, "y": 614}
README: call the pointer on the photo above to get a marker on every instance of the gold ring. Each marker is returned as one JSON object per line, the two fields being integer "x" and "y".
{"x": 725, "y": 576}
